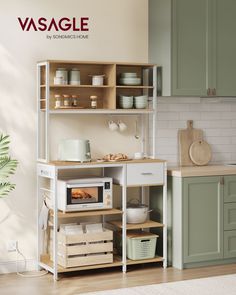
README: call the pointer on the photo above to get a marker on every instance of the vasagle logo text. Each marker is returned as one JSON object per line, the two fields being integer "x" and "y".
{"x": 63, "y": 24}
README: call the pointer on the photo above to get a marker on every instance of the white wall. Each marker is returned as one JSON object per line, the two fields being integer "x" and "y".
{"x": 118, "y": 32}
{"x": 216, "y": 116}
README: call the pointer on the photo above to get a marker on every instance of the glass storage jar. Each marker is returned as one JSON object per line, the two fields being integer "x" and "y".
{"x": 93, "y": 99}
{"x": 75, "y": 100}
{"x": 66, "y": 100}
{"x": 57, "y": 101}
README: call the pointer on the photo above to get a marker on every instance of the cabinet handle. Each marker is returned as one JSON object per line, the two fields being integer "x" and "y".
{"x": 222, "y": 180}
{"x": 209, "y": 92}
{"x": 147, "y": 173}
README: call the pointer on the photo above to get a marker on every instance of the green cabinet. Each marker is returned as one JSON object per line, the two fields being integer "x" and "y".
{"x": 194, "y": 41}
{"x": 203, "y": 220}
{"x": 189, "y": 43}
{"x": 223, "y": 25}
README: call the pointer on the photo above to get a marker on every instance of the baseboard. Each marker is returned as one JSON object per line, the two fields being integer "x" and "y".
{"x": 10, "y": 266}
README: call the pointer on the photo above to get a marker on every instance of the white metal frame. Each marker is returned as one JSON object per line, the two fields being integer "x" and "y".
{"x": 51, "y": 172}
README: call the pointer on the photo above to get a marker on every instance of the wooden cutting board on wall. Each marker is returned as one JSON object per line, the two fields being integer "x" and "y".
{"x": 185, "y": 138}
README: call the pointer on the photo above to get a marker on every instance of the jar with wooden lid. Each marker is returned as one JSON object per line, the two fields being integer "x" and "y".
{"x": 58, "y": 101}
{"x": 75, "y": 100}
{"x": 93, "y": 99}
{"x": 66, "y": 100}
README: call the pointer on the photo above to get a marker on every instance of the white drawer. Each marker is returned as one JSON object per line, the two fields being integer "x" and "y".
{"x": 145, "y": 174}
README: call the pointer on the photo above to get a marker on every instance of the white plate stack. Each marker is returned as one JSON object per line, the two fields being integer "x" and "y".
{"x": 140, "y": 102}
{"x": 129, "y": 79}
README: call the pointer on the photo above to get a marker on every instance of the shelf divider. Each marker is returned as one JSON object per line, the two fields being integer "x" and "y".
{"x": 129, "y": 226}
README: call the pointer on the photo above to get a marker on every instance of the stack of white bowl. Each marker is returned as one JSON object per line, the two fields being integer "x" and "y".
{"x": 129, "y": 79}
{"x": 126, "y": 102}
{"x": 140, "y": 102}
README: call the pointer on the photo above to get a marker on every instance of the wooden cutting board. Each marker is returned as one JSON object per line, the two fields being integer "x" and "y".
{"x": 185, "y": 138}
{"x": 200, "y": 152}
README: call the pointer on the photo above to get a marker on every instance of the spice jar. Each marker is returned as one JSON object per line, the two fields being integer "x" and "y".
{"x": 57, "y": 101}
{"x": 74, "y": 100}
{"x": 66, "y": 100}
{"x": 93, "y": 99}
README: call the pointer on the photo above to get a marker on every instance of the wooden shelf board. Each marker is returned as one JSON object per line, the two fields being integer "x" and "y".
{"x": 43, "y": 85}
{"x": 98, "y": 63}
{"x": 116, "y": 262}
{"x": 81, "y": 86}
{"x": 135, "y": 87}
{"x": 147, "y": 224}
{"x": 101, "y": 111}
{"x": 101, "y": 164}
{"x": 141, "y": 261}
{"x": 88, "y": 213}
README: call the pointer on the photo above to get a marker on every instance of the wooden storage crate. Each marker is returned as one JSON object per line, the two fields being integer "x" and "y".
{"x": 85, "y": 249}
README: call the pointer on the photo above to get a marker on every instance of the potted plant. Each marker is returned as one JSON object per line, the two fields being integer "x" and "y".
{"x": 7, "y": 166}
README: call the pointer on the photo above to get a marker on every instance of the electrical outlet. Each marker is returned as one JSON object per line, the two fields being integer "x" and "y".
{"x": 12, "y": 245}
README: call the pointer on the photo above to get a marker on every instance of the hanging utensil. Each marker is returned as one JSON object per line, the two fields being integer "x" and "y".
{"x": 136, "y": 135}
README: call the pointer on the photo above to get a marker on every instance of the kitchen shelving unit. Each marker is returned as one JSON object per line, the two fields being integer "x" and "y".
{"x": 48, "y": 172}
{"x": 107, "y": 95}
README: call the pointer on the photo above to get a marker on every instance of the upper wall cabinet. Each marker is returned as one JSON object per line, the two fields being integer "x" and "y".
{"x": 194, "y": 42}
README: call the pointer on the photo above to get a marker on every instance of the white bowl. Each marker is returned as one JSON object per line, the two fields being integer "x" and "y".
{"x": 140, "y": 98}
{"x": 130, "y": 81}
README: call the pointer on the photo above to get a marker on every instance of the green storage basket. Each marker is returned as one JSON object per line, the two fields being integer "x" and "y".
{"x": 141, "y": 245}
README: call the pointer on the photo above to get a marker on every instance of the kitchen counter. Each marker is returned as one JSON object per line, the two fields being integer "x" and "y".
{"x": 210, "y": 170}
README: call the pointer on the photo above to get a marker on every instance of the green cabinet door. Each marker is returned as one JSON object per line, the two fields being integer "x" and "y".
{"x": 230, "y": 216}
{"x": 224, "y": 46}
{"x": 202, "y": 219}
{"x": 230, "y": 244}
{"x": 230, "y": 188}
{"x": 189, "y": 48}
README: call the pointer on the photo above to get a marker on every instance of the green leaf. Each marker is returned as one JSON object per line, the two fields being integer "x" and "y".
{"x": 5, "y": 188}
{"x": 4, "y": 145}
{"x": 7, "y": 167}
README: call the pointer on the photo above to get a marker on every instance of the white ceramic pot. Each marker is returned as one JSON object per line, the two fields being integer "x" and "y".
{"x": 137, "y": 213}
{"x": 97, "y": 80}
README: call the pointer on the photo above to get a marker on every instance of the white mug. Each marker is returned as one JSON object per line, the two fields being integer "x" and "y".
{"x": 112, "y": 126}
{"x": 122, "y": 126}
{"x": 139, "y": 155}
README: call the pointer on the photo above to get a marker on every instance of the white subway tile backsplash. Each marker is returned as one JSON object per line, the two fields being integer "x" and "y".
{"x": 218, "y": 140}
{"x": 233, "y": 140}
{"x": 221, "y": 157}
{"x": 223, "y": 148}
{"x": 166, "y": 133}
{"x": 213, "y": 124}
{"x": 168, "y": 116}
{"x": 190, "y": 115}
{"x": 210, "y": 116}
{"x": 233, "y": 123}
{"x": 179, "y": 107}
{"x": 216, "y": 117}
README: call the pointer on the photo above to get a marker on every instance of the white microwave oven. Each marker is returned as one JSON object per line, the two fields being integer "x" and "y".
{"x": 84, "y": 194}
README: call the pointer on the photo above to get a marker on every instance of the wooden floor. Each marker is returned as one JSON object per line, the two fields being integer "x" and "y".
{"x": 89, "y": 281}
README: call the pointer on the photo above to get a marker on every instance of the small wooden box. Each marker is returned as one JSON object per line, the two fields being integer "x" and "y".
{"x": 85, "y": 249}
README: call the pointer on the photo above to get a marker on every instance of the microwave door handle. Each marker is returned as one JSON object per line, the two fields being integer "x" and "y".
{"x": 83, "y": 185}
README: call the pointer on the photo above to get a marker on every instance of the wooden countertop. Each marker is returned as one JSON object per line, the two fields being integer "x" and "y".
{"x": 210, "y": 170}
{"x": 94, "y": 162}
